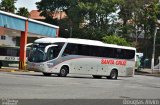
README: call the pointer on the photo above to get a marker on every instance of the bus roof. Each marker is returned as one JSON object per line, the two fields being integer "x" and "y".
{"x": 80, "y": 41}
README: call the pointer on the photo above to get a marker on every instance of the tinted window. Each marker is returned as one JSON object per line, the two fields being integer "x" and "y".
{"x": 124, "y": 54}
{"x": 107, "y": 52}
{"x": 12, "y": 52}
{"x": 71, "y": 49}
{"x": 84, "y": 50}
{"x": 94, "y": 51}
{"x": 88, "y": 50}
{"x": 119, "y": 53}
{"x": 9, "y": 51}
{"x": 129, "y": 54}
{"x": 3, "y": 51}
{"x": 80, "y": 49}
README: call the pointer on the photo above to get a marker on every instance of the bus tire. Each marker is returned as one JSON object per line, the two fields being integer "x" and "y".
{"x": 64, "y": 71}
{"x": 113, "y": 74}
{"x": 97, "y": 76}
{"x": 47, "y": 74}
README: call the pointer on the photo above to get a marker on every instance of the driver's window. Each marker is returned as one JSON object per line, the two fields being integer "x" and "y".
{"x": 52, "y": 53}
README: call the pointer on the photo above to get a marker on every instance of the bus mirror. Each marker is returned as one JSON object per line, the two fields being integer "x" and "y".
{"x": 29, "y": 44}
{"x": 47, "y": 47}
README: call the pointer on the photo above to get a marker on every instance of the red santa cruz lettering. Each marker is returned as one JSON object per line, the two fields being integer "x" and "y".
{"x": 121, "y": 62}
{"x": 107, "y": 61}
{"x": 112, "y": 62}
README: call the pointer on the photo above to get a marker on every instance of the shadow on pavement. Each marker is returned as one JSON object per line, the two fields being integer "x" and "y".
{"x": 141, "y": 72}
{"x": 38, "y": 75}
{"x": 54, "y": 75}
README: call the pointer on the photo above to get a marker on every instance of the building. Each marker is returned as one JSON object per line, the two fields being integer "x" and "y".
{"x": 35, "y": 14}
{"x": 22, "y": 27}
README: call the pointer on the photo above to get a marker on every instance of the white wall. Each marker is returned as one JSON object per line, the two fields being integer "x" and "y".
{"x": 8, "y": 41}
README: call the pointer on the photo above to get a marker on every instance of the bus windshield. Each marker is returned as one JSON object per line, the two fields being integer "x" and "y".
{"x": 44, "y": 52}
{"x": 36, "y": 55}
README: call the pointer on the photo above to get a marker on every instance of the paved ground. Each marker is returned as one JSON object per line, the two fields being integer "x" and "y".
{"x": 148, "y": 72}
{"x": 32, "y": 85}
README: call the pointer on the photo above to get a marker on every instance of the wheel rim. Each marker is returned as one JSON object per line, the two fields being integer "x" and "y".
{"x": 113, "y": 74}
{"x": 63, "y": 72}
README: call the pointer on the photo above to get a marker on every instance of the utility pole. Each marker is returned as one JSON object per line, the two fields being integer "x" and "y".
{"x": 153, "y": 53}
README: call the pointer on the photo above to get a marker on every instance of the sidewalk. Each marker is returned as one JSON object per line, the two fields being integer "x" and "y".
{"x": 12, "y": 70}
{"x": 148, "y": 72}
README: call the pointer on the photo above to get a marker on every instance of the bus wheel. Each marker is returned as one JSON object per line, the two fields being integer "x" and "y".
{"x": 113, "y": 74}
{"x": 97, "y": 76}
{"x": 63, "y": 71}
{"x": 47, "y": 74}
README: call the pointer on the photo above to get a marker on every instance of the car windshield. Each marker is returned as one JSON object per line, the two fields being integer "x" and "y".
{"x": 44, "y": 52}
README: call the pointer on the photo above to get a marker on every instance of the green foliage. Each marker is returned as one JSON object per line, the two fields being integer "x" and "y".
{"x": 8, "y": 6}
{"x": 113, "y": 39}
{"x": 139, "y": 15}
{"x": 87, "y": 17}
{"x": 48, "y": 7}
{"x": 139, "y": 18}
{"x": 23, "y": 12}
{"x": 95, "y": 14}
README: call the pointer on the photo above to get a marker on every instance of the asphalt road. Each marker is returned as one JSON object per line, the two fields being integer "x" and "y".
{"x": 23, "y": 85}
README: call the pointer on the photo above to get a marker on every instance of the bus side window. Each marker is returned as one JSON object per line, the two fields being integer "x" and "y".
{"x": 108, "y": 52}
{"x": 66, "y": 51}
{"x": 71, "y": 49}
{"x": 3, "y": 51}
{"x": 84, "y": 50}
{"x": 119, "y": 53}
{"x": 131, "y": 54}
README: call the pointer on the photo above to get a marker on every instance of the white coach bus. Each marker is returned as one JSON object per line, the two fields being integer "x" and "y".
{"x": 63, "y": 56}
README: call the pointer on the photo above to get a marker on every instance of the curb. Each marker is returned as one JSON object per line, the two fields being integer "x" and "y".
{"x": 147, "y": 73}
{"x": 13, "y": 70}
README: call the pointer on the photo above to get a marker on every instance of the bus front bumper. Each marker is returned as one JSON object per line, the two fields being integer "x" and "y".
{"x": 36, "y": 67}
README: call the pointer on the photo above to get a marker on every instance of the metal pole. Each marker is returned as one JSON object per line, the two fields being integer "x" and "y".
{"x": 70, "y": 31}
{"x": 153, "y": 53}
{"x": 136, "y": 36}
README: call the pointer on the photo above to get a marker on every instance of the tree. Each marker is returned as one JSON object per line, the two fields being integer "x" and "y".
{"x": 88, "y": 18}
{"x": 8, "y": 5}
{"x": 134, "y": 16}
{"x": 95, "y": 16}
{"x": 49, "y": 7}
{"x": 139, "y": 18}
{"x": 151, "y": 12}
{"x": 23, "y": 12}
{"x": 113, "y": 39}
